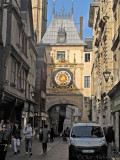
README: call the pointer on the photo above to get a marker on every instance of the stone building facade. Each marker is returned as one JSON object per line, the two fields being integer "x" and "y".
{"x": 40, "y": 87}
{"x": 114, "y": 93}
{"x": 101, "y": 22}
{"x": 87, "y": 72}
{"x": 18, "y": 61}
{"x": 39, "y": 9}
{"x": 104, "y": 18}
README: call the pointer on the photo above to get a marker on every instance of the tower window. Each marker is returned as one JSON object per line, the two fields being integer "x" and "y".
{"x": 87, "y": 82}
{"x": 87, "y": 57}
{"x": 60, "y": 55}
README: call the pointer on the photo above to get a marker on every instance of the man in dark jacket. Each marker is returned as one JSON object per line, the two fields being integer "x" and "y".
{"x": 17, "y": 137}
{"x": 67, "y": 133}
{"x": 9, "y": 129}
{"x": 4, "y": 142}
{"x": 45, "y": 139}
{"x": 110, "y": 141}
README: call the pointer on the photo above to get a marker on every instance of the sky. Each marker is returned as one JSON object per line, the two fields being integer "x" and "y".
{"x": 81, "y": 8}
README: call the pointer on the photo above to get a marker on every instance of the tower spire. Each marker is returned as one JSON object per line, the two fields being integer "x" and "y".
{"x": 53, "y": 8}
{"x": 72, "y": 8}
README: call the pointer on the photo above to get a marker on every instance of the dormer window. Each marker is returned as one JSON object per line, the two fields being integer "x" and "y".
{"x": 61, "y": 35}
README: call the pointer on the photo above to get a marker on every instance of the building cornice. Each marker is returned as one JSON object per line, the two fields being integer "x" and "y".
{"x": 62, "y": 45}
{"x": 91, "y": 13}
{"x": 113, "y": 91}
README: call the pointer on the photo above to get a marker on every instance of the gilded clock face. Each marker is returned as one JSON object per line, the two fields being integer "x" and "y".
{"x": 62, "y": 77}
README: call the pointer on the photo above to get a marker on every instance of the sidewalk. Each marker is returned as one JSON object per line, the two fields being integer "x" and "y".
{"x": 36, "y": 150}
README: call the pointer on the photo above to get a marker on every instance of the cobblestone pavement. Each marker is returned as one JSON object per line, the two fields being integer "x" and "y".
{"x": 58, "y": 150}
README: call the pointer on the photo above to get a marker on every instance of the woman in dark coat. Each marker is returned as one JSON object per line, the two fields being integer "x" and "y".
{"x": 4, "y": 142}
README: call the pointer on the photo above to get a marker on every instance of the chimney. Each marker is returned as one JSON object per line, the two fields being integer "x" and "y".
{"x": 81, "y": 27}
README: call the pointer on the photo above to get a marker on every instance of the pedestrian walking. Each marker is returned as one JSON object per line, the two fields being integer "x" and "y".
{"x": 66, "y": 133}
{"x": 36, "y": 131}
{"x": 1, "y": 124}
{"x": 4, "y": 142}
{"x": 110, "y": 141}
{"x": 104, "y": 130}
{"x": 41, "y": 134}
{"x": 29, "y": 132}
{"x": 45, "y": 139}
{"x": 51, "y": 134}
{"x": 16, "y": 134}
{"x": 10, "y": 129}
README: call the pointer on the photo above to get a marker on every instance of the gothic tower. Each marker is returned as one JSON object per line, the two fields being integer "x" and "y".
{"x": 39, "y": 9}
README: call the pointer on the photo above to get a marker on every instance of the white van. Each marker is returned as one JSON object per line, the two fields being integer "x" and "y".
{"x": 87, "y": 141}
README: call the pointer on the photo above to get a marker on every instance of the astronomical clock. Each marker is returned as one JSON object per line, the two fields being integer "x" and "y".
{"x": 62, "y": 73}
{"x": 63, "y": 78}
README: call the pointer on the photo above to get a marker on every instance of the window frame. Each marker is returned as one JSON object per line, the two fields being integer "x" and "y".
{"x": 63, "y": 57}
{"x": 87, "y": 82}
{"x": 87, "y": 57}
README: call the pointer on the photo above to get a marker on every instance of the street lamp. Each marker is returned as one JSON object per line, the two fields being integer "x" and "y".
{"x": 106, "y": 75}
{"x": 33, "y": 94}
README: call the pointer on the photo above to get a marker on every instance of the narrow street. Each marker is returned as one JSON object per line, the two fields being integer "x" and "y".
{"x": 58, "y": 150}
{"x": 60, "y": 76}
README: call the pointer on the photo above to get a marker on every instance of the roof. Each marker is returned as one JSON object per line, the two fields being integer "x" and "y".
{"x": 66, "y": 23}
{"x": 89, "y": 42}
{"x": 92, "y": 13}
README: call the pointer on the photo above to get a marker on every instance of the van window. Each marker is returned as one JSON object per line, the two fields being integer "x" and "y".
{"x": 87, "y": 131}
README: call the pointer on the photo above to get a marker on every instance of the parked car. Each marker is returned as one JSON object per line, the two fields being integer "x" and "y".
{"x": 87, "y": 141}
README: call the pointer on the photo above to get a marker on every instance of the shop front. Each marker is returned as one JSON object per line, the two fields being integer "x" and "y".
{"x": 42, "y": 119}
{"x": 114, "y": 95}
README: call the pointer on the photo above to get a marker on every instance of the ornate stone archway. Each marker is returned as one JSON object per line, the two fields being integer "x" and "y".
{"x": 52, "y": 100}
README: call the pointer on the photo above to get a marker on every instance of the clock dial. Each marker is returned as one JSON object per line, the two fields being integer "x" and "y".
{"x": 63, "y": 77}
